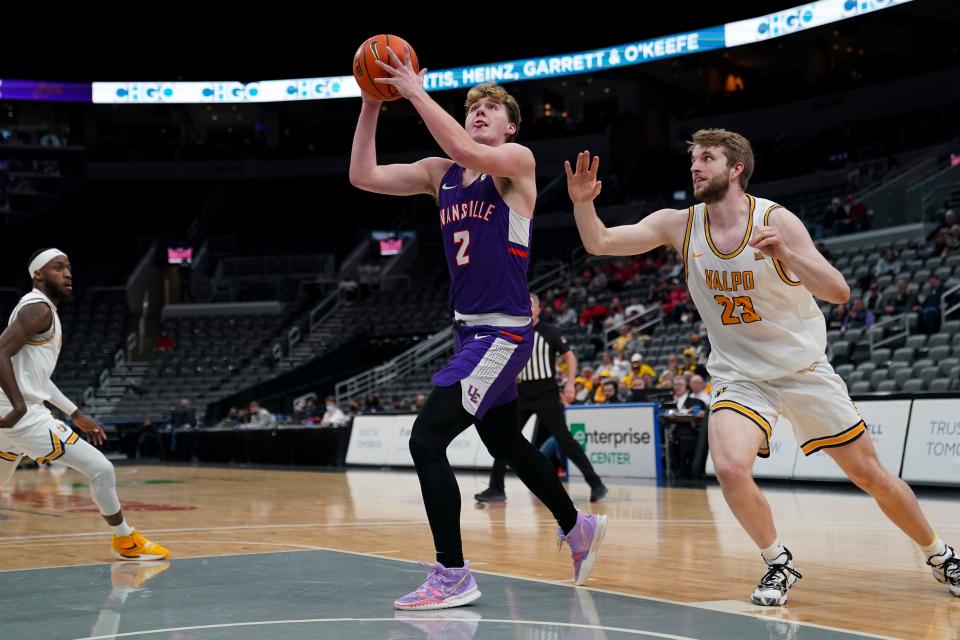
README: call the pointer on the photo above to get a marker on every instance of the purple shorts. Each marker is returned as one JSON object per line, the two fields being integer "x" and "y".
{"x": 487, "y": 360}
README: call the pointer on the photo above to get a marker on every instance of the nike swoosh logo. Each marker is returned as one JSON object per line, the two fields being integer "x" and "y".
{"x": 479, "y": 337}
{"x": 697, "y": 254}
{"x": 131, "y": 547}
{"x": 451, "y": 186}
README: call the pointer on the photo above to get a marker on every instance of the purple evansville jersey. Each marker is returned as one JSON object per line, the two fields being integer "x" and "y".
{"x": 487, "y": 247}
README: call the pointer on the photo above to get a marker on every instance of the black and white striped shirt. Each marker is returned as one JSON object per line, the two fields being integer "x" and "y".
{"x": 548, "y": 345}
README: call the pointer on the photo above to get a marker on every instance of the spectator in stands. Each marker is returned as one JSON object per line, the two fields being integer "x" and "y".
{"x": 372, "y": 404}
{"x": 616, "y": 316}
{"x": 873, "y": 299}
{"x": 165, "y": 342}
{"x": 930, "y": 312}
{"x": 940, "y": 247}
{"x": 398, "y": 406}
{"x": 952, "y": 239}
{"x": 623, "y": 339}
{"x": 858, "y": 218}
{"x": 183, "y": 416}
{"x": 858, "y": 317}
{"x": 699, "y": 349}
{"x": 837, "y": 318}
{"x": 231, "y": 419}
{"x": 623, "y": 392}
{"x": 676, "y": 303}
{"x": 638, "y": 390}
{"x": 634, "y": 308}
{"x": 888, "y": 264}
{"x": 598, "y": 282}
{"x": 353, "y": 409}
{"x": 586, "y": 379}
{"x": 697, "y": 390}
{"x": 666, "y": 379}
{"x": 690, "y": 363}
{"x": 902, "y": 301}
{"x": 620, "y": 366}
{"x": 605, "y": 367}
{"x": 608, "y": 393}
{"x": 671, "y": 267}
{"x": 673, "y": 365}
{"x": 685, "y": 401}
{"x": 949, "y": 220}
{"x": 565, "y": 316}
{"x": 638, "y": 369}
{"x": 259, "y": 416}
{"x": 419, "y": 402}
{"x": 333, "y": 416}
{"x": 834, "y": 216}
{"x": 307, "y": 411}
{"x": 593, "y": 314}
{"x": 581, "y": 395}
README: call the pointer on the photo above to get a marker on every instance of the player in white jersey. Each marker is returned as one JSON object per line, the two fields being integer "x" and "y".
{"x": 29, "y": 348}
{"x": 752, "y": 271}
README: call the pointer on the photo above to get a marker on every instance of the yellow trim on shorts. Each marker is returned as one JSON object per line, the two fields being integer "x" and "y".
{"x": 6, "y": 455}
{"x": 73, "y": 438}
{"x": 838, "y": 440}
{"x": 57, "y": 450}
{"x": 776, "y": 263}
{"x": 686, "y": 243}
{"x": 746, "y": 236}
{"x": 752, "y": 415}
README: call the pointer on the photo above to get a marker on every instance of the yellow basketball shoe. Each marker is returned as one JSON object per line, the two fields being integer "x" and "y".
{"x": 136, "y": 547}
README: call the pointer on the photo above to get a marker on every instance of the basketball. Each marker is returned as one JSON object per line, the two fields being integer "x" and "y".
{"x": 366, "y": 71}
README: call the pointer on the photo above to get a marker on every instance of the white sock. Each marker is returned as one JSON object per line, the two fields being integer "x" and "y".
{"x": 774, "y": 551}
{"x": 936, "y": 548}
{"x": 122, "y": 529}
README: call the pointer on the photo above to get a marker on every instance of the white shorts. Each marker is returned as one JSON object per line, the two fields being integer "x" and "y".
{"x": 38, "y": 435}
{"x": 814, "y": 400}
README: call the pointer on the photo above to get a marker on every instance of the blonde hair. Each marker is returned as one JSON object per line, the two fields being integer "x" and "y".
{"x": 496, "y": 93}
{"x": 735, "y": 147}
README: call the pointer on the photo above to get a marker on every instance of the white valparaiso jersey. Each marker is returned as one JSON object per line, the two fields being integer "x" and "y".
{"x": 33, "y": 365}
{"x": 762, "y": 322}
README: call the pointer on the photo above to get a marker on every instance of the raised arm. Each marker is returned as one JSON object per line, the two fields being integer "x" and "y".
{"x": 508, "y": 160}
{"x": 662, "y": 227}
{"x": 422, "y": 176}
{"x": 32, "y": 319}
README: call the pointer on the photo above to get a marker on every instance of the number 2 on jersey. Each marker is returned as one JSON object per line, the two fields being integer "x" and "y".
{"x": 462, "y": 238}
{"x": 747, "y": 312}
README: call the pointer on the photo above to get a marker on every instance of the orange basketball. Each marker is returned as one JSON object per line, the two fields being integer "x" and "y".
{"x": 366, "y": 71}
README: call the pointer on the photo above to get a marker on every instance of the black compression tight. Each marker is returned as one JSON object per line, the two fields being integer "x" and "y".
{"x": 442, "y": 419}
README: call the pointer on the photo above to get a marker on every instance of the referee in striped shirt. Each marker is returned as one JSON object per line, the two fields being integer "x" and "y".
{"x": 538, "y": 394}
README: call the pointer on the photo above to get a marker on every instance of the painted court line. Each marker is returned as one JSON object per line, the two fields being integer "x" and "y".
{"x": 260, "y": 623}
{"x": 560, "y": 583}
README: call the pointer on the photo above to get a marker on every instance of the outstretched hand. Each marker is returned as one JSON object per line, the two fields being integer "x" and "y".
{"x": 403, "y": 78}
{"x": 582, "y": 184}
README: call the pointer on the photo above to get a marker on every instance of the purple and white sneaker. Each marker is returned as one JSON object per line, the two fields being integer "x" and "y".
{"x": 444, "y": 588}
{"x": 584, "y": 541}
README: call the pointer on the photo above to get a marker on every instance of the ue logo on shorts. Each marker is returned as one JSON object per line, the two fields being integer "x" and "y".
{"x": 474, "y": 394}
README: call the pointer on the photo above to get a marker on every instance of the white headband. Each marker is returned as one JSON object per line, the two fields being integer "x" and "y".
{"x": 44, "y": 259}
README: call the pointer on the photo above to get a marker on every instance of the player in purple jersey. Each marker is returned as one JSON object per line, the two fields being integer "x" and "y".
{"x": 486, "y": 191}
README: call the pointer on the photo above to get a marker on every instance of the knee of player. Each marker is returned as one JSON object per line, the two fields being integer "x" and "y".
{"x": 872, "y": 478}
{"x": 732, "y": 472}
{"x": 102, "y": 470}
{"x": 423, "y": 438}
